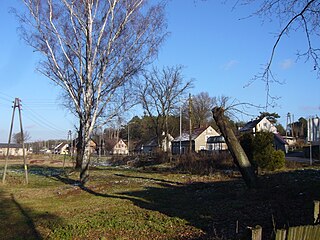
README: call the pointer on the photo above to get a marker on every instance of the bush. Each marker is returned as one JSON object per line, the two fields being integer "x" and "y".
{"x": 260, "y": 151}
{"x": 246, "y": 142}
{"x": 270, "y": 159}
{"x": 263, "y": 158}
{"x": 203, "y": 165}
{"x": 278, "y": 160}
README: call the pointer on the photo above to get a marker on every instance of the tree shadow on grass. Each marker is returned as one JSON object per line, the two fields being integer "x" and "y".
{"x": 19, "y": 222}
{"x": 283, "y": 199}
{"x": 149, "y": 179}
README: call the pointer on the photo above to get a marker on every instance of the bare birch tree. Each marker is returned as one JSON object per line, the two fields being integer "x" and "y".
{"x": 160, "y": 93}
{"x": 91, "y": 48}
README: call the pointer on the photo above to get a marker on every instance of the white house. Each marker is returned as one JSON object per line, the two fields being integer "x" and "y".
{"x": 61, "y": 148}
{"x": 216, "y": 143}
{"x": 116, "y": 146}
{"x": 259, "y": 125}
{"x": 14, "y": 150}
{"x": 199, "y": 139}
{"x": 264, "y": 125}
{"x": 152, "y": 144}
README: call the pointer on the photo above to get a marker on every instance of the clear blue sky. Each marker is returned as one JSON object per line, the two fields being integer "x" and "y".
{"x": 221, "y": 52}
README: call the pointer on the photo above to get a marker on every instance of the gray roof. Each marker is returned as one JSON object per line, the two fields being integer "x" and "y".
{"x": 12, "y": 145}
{"x": 250, "y": 125}
{"x": 280, "y": 138}
{"x": 185, "y": 135}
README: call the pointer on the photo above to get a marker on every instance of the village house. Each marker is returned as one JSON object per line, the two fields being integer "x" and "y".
{"x": 93, "y": 146}
{"x": 264, "y": 125}
{"x": 61, "y": 148}
{"x": 216, "y": 143}
{"x": 14, "y": 150}
{"x": 116, "y": 147}
{"x": 199, "y": 139}
{"x": 259, "y": 125}
{"x": 152, "y": 145}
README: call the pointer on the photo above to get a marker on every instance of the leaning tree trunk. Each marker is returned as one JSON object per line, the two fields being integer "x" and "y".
{"x": 237, "y": 152}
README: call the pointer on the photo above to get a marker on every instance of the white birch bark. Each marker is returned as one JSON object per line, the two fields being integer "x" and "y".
{"x": 91, "y": 49}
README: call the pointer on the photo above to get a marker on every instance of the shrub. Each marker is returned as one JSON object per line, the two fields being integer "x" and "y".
{"x": 278, "y": 160}
{"x": 198, "y": 164}
{"x": 270, "y": 159}
{"x": 263, "y": 157}
{"x": 260, "y": 151}
{"x": 246, "y": 142}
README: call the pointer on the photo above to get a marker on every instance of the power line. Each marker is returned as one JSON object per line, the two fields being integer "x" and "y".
{"x": 41, "y": 119}
{"x": 8, "y": 97}
{"x": 34, "y": 116}
{"x": 56, "y": 133}
{"x": 5, "y": 99}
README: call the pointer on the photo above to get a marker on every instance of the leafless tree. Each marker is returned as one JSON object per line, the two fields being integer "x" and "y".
{"x": 293, "y": 15}
{"x": 16, "y": 138}
{"x": 91, "y": 48}
{"x": 202, "y": 105}
{"x": 160, "y": 93}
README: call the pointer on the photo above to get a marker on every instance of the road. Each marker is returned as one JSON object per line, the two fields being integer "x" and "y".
{"x": 299, "y": 157}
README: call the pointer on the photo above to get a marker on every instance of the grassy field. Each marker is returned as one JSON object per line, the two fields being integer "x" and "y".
{"x": 150, "y": 203}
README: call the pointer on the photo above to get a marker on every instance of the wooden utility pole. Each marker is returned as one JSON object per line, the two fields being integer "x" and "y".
{"x": 292, "y": 126}
{"x": 17, "y": 104}
{"x": 190, "y": 123}
{"x": 70, "y": 143}
{"x": 287, "y": 125}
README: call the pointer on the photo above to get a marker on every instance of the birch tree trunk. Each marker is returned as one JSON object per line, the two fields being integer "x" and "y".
{"x": 84, "y": 174}
{"x": 237, "y": 152}
{"x": 92, "y": 49}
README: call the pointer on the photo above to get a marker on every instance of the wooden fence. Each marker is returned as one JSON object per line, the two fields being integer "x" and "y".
{"x": 309, "y": 232}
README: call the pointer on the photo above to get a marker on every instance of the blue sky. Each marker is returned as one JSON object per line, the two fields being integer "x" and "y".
{"x": 219, "y": 51}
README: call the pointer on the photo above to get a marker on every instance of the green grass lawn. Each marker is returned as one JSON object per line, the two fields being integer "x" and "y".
{"x": 144, "y": 204}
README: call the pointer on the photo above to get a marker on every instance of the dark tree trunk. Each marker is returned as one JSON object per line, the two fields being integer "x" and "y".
{"x": 237, "y": 152}
{"x": 84, "y": 174}
{"x": 80, "y": 150}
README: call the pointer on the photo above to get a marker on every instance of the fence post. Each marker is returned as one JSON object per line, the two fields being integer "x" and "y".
{"x": 316, "y": 212}
{"x": 281, "y": 234}
{"x": 257, "y": 233}
{"x": 254, "y": 233}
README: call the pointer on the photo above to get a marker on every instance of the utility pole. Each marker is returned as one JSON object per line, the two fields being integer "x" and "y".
{"x": 17, "y": 104}
{"x": 100, "y": 143}
{"x": 287, "y": 125}
{"x": 69, "y": 146}
{"x": 180, "y": 127}
{"x": 292, "y": 126}
{"x": 128, "y": 138}
{"x": 70, "y": 143}
{"x": 190, "y": 123}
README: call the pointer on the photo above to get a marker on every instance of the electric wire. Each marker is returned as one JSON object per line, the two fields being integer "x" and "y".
{"x": 6, "y": 96}
{"x": 52, "y": 132}
{"x": 41, "y": 119}
{"x": 29, "y": 106}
